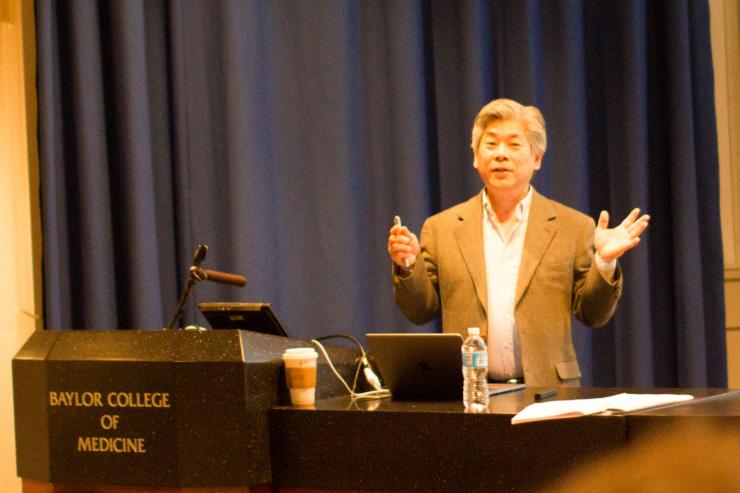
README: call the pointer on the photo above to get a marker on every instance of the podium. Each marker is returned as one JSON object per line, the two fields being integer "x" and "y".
{"x": 167, "y": 411}
{"x": 147, "y": 409}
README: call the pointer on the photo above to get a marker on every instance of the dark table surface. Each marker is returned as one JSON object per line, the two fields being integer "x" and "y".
{"x": 393, "y": 445}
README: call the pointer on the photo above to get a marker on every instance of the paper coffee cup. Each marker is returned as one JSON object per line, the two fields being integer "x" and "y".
{"x": 300, "y": 374}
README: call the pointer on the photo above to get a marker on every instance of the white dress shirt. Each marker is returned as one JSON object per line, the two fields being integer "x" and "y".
{"x": 503, "y": 254}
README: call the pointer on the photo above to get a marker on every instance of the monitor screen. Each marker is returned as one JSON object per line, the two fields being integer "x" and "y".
{"x": 257, "y": 317}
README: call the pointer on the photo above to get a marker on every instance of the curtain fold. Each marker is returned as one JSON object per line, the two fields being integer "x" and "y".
{"x": 287, "y": 134}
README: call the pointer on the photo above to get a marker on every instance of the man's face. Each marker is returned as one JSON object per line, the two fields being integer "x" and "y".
{"x": 505, "y": 160}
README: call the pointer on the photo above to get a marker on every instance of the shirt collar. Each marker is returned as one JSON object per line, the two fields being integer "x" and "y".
{"x": 522, "y": 208}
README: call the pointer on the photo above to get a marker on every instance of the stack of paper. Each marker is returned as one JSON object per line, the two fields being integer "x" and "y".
{"x": 622, "y": 403}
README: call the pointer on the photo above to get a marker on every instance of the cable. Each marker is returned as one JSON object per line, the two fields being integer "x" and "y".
{"x": 360, "y": 360}
{"x": 371, "y": 394}
{"x": 378, "y": 393}
{"x": 367, "y": 369}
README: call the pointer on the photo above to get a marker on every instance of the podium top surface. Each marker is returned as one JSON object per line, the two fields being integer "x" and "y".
{"x": 155, "y": 345}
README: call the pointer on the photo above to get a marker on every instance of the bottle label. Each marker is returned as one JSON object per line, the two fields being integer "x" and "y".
{"x": 475, "y": 360}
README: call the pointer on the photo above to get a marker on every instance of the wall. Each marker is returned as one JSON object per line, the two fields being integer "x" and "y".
{"x": 20, "y": 291}
{"x": 725, "y": 24}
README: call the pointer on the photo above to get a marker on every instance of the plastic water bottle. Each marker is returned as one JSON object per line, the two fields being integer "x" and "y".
{"x": 475, "y": 372}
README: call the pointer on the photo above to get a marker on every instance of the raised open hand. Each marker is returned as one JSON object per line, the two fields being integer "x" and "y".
{"x": 611, "y": 243}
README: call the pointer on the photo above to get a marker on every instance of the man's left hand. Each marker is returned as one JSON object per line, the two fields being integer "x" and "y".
{"x": 611, "y": 243}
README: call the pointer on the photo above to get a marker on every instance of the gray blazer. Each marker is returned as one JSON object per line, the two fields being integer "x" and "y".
{"x": 557, "y": 279}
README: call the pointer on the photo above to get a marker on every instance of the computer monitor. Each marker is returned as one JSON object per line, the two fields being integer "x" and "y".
{"x": 257, "y": 317}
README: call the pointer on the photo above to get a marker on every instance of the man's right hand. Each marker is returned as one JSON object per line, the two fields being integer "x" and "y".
{"x": 403, "y": 247}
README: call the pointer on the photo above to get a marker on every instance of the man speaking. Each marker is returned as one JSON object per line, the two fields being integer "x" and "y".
{"x": 511, "y": 261}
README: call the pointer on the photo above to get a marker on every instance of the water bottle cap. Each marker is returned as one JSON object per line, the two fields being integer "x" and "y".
{"x": 473, "y": 331}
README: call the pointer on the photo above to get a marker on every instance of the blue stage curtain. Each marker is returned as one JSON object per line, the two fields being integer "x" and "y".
{"x": 287, "y": 134}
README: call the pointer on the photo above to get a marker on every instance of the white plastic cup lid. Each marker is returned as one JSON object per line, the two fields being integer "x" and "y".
{"x": 300, "y": 353}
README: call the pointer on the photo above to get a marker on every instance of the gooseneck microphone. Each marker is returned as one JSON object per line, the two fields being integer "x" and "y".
{"x": 216, "y": 276}
{"x": 198, "y": 274}
{"x": 199, "y": 255}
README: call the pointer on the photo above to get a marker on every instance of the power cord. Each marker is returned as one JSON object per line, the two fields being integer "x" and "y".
{"x": 362, "y": 362}
{"x": 370, "y": 375}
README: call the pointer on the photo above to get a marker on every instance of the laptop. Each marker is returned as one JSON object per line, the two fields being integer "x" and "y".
{"x": 257, "y": 317}
{"x": 424, "y": 366}
{"x": 419, "y": 366}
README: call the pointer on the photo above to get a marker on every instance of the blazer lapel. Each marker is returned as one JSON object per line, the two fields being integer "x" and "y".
{"x": 541, "y": 228}
{"x": 469, "y": 237}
